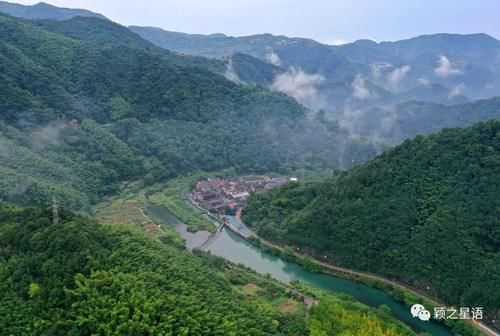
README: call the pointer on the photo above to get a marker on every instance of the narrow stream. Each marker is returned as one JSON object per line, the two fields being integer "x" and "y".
{"x": 234, "y": 248}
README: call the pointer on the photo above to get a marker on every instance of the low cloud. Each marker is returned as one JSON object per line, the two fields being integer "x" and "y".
{"x": 397, "y": 75}
{"x": 336, "y": 42}
{"x": 379, "y": 126}
{"x": 231, "y": 73}
{"x": 301, "y": 86}
{"x": 359, "y": 89}
{"x": 273, "y": 58}
{"x": 352, "y": 119}
{"x": 456, "y": 91}
{"x": 424, "y": 81}
{"x": 379, "y": 68}
{"x": 48, "y": 135}
{"x": 446, "y": 68}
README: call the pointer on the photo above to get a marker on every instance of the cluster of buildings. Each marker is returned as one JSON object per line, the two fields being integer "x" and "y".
{"x": 217, "y": 194}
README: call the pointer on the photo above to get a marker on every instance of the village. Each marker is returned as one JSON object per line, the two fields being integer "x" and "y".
{"x": 223, "y": 199}
{"x": 226, "y": 196}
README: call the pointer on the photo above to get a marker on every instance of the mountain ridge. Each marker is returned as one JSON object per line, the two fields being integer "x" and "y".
{"x": 394, "y": 215}
{"x": 44, "y": 10}
{"x": 103, "y": 108}
{"x": 456, "y": 61}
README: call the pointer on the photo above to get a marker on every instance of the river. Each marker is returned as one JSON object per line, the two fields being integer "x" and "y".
{"x": 234, "y": 248}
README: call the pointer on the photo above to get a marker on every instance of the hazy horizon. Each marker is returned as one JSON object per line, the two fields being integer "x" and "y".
{"x": 324, "y": 21}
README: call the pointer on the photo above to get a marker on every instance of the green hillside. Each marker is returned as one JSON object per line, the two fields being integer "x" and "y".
{"x": 95, "y": 105}
{"x": 425, "y": 213}
{"x": 413, "y": 118}
{"x": 307, "y": 54}
{"x": 375, "y": 61}
{"x": 96, "y": 117}
{"x": 43, "y": 10}
{"x": 50, "y": 72}
{"x": 78, "y": 277}
{"x": 81, "y": 278}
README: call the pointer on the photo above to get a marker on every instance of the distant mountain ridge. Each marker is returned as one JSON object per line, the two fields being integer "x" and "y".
{"x": 312, "y": 56}
{"x": 439, "y": 68}
{"x": 467, "y": 65}
{"x": 451, "y": 44}
{"x": 44, "y": 11}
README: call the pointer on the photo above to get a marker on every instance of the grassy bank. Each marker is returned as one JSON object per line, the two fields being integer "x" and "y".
{"x": 128, "y": 209}
{"x": 408, "y": 298}
{"x": 173, "y": 197}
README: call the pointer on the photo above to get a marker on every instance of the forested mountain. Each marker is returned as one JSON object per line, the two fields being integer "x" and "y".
{"x": 248, "y": 69}
{"x": 95, "y": 71}
{"x": 436, "y": 93}
{"x": 441, "y": 68}
{"x": 464, "y": 64}
{"x": 306, "y": 66}
{"x": 424, "y": 212}
{"x": 93, "y": 104}
{"x": 78, "y": 277}
{"x": 312, "y": 56}
{"x": 412, "y": 118}
{"x": 43, "y": 11}
{"x": 467, "y": 64}
{"x": 102, "y": 32}
{"x": 354, "y": 98}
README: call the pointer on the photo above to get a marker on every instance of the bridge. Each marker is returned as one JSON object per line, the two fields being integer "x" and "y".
{"x": 212, "y": 237}
{"x": 241, "y": 231}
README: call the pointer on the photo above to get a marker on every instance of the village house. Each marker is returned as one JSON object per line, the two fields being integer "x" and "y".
{"x": 217, "y": 195}
{"x": 276, "y": 182}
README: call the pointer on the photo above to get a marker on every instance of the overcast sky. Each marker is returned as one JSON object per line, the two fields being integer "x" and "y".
{"x": 330, "y": 21}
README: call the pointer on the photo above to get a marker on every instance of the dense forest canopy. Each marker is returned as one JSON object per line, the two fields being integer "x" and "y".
{"x": 94, "y": 105}
{"x": 410, "y": 119}
{"x": 387, "y": 91}
{"x": 78, "y": 277}
{"x": 424, "y": 212}
{"x": 50, "y": 72}
{"x": 87, "y": 105}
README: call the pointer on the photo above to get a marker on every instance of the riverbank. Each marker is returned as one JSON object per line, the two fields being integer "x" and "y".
{"x": 126, "y": 210}
{"x": 372, "y": 280}
{"x": 234, "y": 248}
{"x": 343, "y": 270}
{"x": 399, "y": 292}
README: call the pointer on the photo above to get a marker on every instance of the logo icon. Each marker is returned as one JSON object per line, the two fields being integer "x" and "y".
{"x": 418, "y": 310}
{"x": 424, "y": 315}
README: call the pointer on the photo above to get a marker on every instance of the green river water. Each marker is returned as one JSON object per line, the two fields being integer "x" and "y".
{"x": 236, "y": 249}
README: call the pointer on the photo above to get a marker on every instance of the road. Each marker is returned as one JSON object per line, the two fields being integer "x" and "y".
{"x": 479, "y": 325}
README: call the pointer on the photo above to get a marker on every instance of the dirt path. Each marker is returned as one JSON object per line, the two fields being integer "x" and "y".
{"x": 481, "y": 326}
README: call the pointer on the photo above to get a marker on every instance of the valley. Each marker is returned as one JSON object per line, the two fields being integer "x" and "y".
{"x": 235, "y": 249}
{"x": 155, "y": 182}
{"x": 257, "y": 256}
